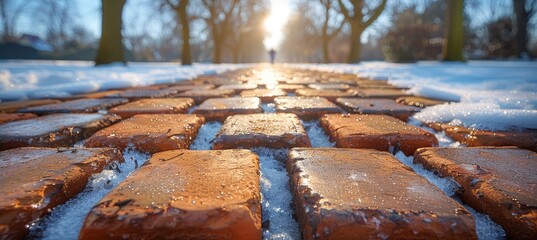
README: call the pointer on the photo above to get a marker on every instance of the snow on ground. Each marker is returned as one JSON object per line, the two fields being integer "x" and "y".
{"x": 486, "y": 228}
{"x": 65, "y": 221}
{"x": 495, "y": 95}
{"x": 44, "y": 79}
{"x": 317, "y": 135}
{"x": 205, "y": 137}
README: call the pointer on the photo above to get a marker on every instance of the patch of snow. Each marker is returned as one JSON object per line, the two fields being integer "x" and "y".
{"x": 206, "y": 135}
{"x": 494, "y": 95}
{"x": 486, "y": 228}
{"x": 276, "y": 198}
{"x": 268, "y": 107}
{"x": 66, "y": 220}
{"x": 22, "y": 79}
{"x": 316, "y": 134}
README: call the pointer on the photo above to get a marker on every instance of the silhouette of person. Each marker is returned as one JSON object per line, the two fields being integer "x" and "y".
{"x": 272, "y": 54}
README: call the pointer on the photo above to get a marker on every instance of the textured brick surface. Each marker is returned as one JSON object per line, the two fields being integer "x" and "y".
{"x": 190, "y": 87}
{"x": 367, "y": 194}
{"x": 218, "y": 109}
{"x": 266, "y": 95}
{"x": 201, "y": 95}
{"x": 153, "y": 106}
{"x": 329, "y": 86}
{"x": 75, "y": 106}
{"x": 34, "y": 180}
{"x": 379, "y": 132}
{"x": 52, "y": 130}
{"x": 378, "y": 93}
{"x": 377, "y": 106}
{"x": 10, "y": 107}
{"x": 498, "y": 181}
{"x": 183, "y": 194}
{"x": 143, "y": 93}
{"x": 10, "y": 117}
{"x": 149, "y": 133}
{"x": 328, "y": 94}
{"x": 526, "y": 139}
{"x": 289, "y": 87}
{"x": 379, "y": 84}
{"x": 419, "y": 101}
{"x": 237, "y": 88}
{"x": 306, "y": 108}
{"x": 280, "y": 130}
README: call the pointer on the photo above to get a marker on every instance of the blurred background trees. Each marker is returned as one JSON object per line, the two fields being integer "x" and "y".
{"x": 319, "y": 31}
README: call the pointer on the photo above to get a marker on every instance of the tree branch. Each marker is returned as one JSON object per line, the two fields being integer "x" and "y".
{"x": 376, "y": 13}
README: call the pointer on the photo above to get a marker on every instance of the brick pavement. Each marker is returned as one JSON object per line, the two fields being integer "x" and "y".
{"x": 355, "y": 189}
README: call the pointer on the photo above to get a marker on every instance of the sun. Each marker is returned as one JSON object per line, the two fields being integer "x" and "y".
{"x": 275, "y": 22}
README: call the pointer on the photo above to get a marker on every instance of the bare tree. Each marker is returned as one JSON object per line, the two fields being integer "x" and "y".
{"x": 111, "y": 45}
{"x": 328, "y": 30}
{"x": 58, "y": 18}
{"x": 10, "y": 13}
{"x": 359, "y": 15}
{"x": 524, "y": 11}
{"x": 180, "y": 8}
{"x": 454, "y": 43}
{"x": 246, "y": 19}
{"x": 219, "y": 22}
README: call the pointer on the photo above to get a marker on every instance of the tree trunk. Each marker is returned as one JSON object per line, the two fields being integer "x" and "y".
{"x": 519, "y": 6}
{"x": 186, "y": 58}
{"x": 326, "y": 52}
{"x": 356, "y": 44}
{"x": 454, "y": 42}
{"x": 217, "y": 49}
{"x": 236, "y": 53}
{"x": 111, "y": 45}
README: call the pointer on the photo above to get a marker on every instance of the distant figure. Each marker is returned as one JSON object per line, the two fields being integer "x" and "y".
{"x": 272, "y": 54}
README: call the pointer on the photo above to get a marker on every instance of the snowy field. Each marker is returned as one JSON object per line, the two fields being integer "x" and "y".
{"x": 51, "y": 79}
{"x": 495, "y": 95}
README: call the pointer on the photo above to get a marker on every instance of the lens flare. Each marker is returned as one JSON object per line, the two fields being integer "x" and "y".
{"x": 275, "y": 22}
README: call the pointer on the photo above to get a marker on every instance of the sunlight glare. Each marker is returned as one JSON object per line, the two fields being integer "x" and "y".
{"x": 275, "y": 22}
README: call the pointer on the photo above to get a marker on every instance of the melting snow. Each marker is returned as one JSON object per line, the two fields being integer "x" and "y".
{"x": 65, "y": 221}
{"x": 317, "y": 135}
{"x": 206, "y": 135}
{"x": 485, "y": 227}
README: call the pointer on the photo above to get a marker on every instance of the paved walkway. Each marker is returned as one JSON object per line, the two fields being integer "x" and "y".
{"x": 337, "y": 165}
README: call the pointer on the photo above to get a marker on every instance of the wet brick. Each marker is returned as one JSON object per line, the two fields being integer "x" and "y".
{"x": 11, "y": 117}
{"x": 280, "y": 130}
{"x": 56, "y": 130}
{"x": 377, "y": 106}
{"x": 75, "y": 106}
{"x": 367, "y": 194}
{"x": 149, "y": 133}
{"x": 218, "y": 109}
{"x": 153, "y": 106}
{"x": 34, "y": 180}
{"x": 379, "y": 132}
{"x": 379, "y": 93}
{"x": 328, "y": 94}
{"x": 306, "y": 108}
{"x": 201, "y": 95}
{"x": 500, "y": 182}
{"x": 266, "y": 95}
{"x": 183, "y": 194}
{"x": 419, "y": 101}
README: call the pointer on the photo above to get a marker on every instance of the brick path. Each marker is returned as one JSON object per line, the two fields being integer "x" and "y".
{"x": 351, "y": 188}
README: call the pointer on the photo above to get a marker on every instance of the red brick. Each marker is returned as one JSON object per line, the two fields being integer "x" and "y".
{"x": 328, "y": 94}
{"x": 329, "y": 86}
{"x": 346, "y": 193}
{"x": 34, "y": 180}
{"x": 75, "y": 106}
{"x": 154, "y": 106}
{"x": 143, "y": 93}
{"x": 183, "y": 194}
{"x": 377, "y": 106}
{"x": 379, "y": 93}
{"x": 306, "y": 108}
{"x": 280, "y": 130}
{"x": 266, "y": 95}
{"x": 379, "y": 84}
{"x": 149, "y": 133}
{"x": 11, "y": 117}
{"x": 379, "y": 132}
{"x": 190, "y": 87}
{"x": 218, "y": 109}
{"x": 11, "y": 107}
{"x": 526, "y": 139}
{"x": 201, "y": 95}
{"x": 500, "y": 182}
{"x": 52, "y": 130}
{"x": 237, "y": 88}
{"x": 301, "y": 80}
{"x": 419, "y": 101}
{"x": 288, "y": 87}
